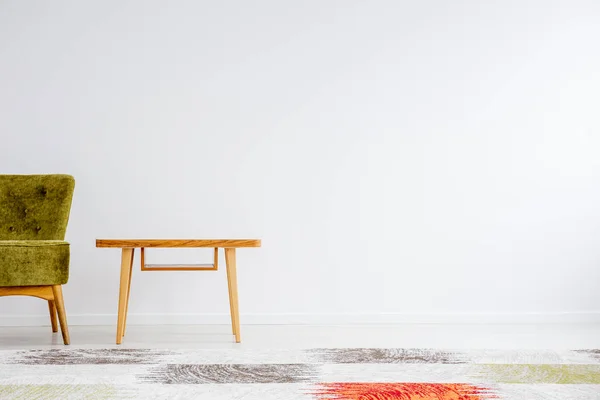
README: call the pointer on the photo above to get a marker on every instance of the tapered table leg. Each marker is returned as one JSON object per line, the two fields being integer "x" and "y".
{"x": 128, "y": 290}
{"x": 233, "y": 292}
{"x": 126, "y": 260}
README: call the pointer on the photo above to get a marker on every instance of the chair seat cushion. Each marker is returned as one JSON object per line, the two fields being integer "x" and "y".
{"x": 34, "y": 262}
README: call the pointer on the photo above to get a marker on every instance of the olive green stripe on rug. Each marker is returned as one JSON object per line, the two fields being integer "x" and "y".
{"x": 44, "y": 392}
{"x": 540, "y": 373}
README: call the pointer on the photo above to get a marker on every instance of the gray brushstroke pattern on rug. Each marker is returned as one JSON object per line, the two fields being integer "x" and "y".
{"x": 88, "y": 356}
{"x": 594, "y": 353}
{"x": 387, "y": 356}
{"x": 230, "y": 373}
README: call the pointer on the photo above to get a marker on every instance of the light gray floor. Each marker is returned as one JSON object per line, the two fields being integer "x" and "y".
{"x": 547, "y": 336}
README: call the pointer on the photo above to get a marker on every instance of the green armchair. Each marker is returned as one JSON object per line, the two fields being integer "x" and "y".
{"x": 34, "y": 258}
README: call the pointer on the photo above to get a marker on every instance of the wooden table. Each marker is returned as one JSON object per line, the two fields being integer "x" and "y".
{"x": 128, "y": 247}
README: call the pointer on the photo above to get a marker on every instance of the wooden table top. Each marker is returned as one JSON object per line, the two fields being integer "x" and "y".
{"x": 129, "y": 243}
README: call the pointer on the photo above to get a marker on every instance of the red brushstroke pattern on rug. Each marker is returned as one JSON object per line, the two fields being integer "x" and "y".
{"x": 401, "y": 391}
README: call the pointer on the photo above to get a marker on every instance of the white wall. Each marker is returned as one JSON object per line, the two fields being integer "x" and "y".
{"x": 402, "y": 161}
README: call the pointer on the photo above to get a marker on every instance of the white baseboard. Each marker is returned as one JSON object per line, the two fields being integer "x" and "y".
{"x": 314, "y": 319}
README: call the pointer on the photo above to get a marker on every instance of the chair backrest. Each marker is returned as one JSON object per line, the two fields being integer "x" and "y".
{"x": 35, "y": 207}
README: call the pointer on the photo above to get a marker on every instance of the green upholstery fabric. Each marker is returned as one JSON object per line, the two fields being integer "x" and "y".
{"x": 35, "y": 207}
{"x": 34, "y": 212}
{"x": 34, "y": 262}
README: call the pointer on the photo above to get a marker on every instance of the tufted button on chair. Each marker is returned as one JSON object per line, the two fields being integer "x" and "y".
{"x": 34, "y": 258}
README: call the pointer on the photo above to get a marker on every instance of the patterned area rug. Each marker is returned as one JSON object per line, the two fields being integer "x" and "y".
{"x": 315, "y": 374}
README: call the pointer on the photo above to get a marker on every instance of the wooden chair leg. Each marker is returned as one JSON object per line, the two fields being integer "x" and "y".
{"x": 233, "y": 292}
{"x": 128, "y": 290}
{"x": 126, "y": 255}
{"x": 53, "y": 320}
{"x": 62, "y": 315}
